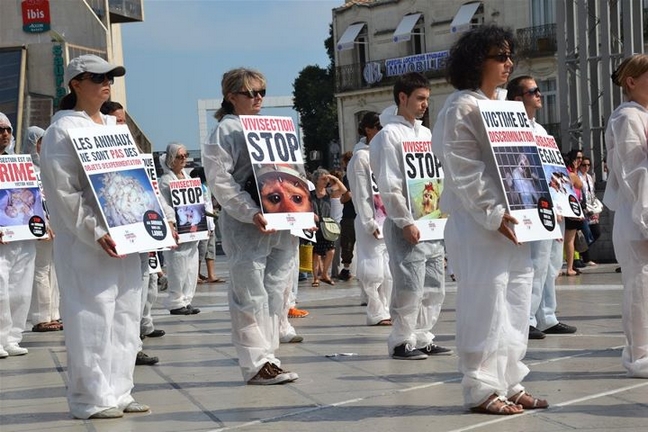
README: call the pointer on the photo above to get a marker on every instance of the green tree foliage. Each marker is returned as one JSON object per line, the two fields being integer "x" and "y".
{"x": 315, "y": 101}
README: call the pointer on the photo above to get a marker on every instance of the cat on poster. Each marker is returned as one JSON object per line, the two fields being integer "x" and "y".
{"x": 22, "y": 216}
{"x": 521, "y": 173}
{"x": 278, "y": 165}
{"x": 560, "y": 186}
{"x": 125, "y": 195}
{"x": 424, "y": 182}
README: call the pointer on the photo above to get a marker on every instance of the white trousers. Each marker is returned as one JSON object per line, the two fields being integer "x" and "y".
{"x": 16, "y": 276}
{"x": 149, "y": 295}
{"x": 182, "y": 273}
{"x": 286, "y": 330}
{"x": 45, "y": 295}
{"x": 418, "y": 288}
{"x": 494, "y": 279}
{"x": 100, "y": 307}
{"x": 547, "y": 256}
{"x": 631, "y": 251}
{"x": 260, "y": 267}
{"x": 373, "y": 274}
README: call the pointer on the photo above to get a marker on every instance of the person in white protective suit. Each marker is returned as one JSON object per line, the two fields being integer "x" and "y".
{"x": 149, "y": 282}
{"x": 417, "y": 267}
{"x": 547, "y": 255}
{"x": 372, "y": 258}
{"x": 494, "y": 272}
{"x": 260, "y": 260}
{"x": 100, "y": 290}
{"x": 181, "y": 262}
{"x": 44, "y": 309}
{"x": 626, "y": 193}
{"x": 16, "y": 274}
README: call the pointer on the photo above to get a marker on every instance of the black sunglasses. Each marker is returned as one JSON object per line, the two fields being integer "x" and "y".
{"x": 98, "y": 78}
{"x": 5, "y": 129}
{"x": 533, "y": 91}
{"x": 501, "y": 57}
{"x": 252, "y": 93}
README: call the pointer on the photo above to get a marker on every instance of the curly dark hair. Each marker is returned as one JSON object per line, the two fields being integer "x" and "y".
{"x": 468, "y": 54}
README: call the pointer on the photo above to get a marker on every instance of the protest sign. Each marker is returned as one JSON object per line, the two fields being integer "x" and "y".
{"x": 560, "y": 186}
{"x": 380, "y": 213}
{"x": 21, "y": 210}
{"x": 188, "y": 201}
{"x": 520, "y": 169}
{"x": 424, "y": 182}
{"x": 149, "y": 166}
{"x": 154, "y": 262}
{"x": 281, "y": 186}
{"x": 125, "y": 195}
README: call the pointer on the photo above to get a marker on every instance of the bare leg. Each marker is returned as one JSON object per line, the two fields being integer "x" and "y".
{"x": 570, "y": 236}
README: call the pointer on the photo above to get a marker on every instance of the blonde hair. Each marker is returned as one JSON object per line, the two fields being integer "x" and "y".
{"x": 235, "y": 80}
{"x": 632, "y": 67}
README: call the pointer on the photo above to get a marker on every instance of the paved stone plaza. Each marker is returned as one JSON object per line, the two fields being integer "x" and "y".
{"x": 197, "y": 385}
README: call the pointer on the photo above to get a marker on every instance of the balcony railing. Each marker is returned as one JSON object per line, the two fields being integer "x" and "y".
{"x": 357, "y": 76}
{"x": 537, "y": 41}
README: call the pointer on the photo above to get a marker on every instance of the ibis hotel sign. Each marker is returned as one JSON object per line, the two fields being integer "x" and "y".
{"x": 36, "y": 16}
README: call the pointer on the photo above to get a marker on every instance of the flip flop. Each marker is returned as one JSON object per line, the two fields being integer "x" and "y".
{"x": 489, "y": 407}
{"x": 385, "y": 322}
{"x": 315, "y": 284}
{"x": 217, "y": 280}
{"x": 328, "y": 281}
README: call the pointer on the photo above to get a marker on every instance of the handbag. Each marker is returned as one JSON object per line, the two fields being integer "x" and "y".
{"x": 580, "y": 243}
{"x": 330, "y": 229}
{"x": 594, "y": 207}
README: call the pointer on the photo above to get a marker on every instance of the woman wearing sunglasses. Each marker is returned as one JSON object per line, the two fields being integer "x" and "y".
{"x": 260, "y": 260}
{"x": 493, "y": 270}
{"x": 100, "y": 290}
{"x": 181, "y": 262}
{"x": 626, "y": 193}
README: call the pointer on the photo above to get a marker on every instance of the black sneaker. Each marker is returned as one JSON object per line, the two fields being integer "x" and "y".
{"x": 156, "y": 333}
{"x": 184, "y": 310}
{"x": 144, "y": 360}
{"x": 433, "y": 349}
{"x": 534, "y": 333}
{"x": 560, "y": 328}
{"x": 193, "y": 310}
{"x": 407, "y": 352}
{"x": 344, "y": 275}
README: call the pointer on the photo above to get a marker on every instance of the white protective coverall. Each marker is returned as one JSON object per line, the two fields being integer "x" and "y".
{"x": 260, "y": 264}
{"x": 181, "y": 262}
{"x": 547, "y": 257}
{"x": 373, "y": 260}
{"x": 100, "y": 295}
{"x": 626, "y": 193}
{"x": 16, "y": 275}
{"x": 286, "y": 329}
{"x": 493, "y": 275}
{"x": 417, "y": 270}
{"x": 45, "y": 294}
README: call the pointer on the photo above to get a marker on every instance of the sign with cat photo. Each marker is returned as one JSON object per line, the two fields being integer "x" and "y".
{"x": 424, "y": 181}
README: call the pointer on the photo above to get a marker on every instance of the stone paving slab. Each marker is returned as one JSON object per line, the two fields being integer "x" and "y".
{"x": 197, "y": 385}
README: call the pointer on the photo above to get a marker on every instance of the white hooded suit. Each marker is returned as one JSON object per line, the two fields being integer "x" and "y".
{"x": 373, "y": 260}
{"x": 417, "y": 270}
{"x": 16, "y": 275}
{"x": 260, "y": 265}
{"x": 493, "y": 275}
{"x": 627, "y": 194}
{"x": 100, "y": 295}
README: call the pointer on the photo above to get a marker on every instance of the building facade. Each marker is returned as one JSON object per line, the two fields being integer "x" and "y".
{"x": 37, "y": 40}
{"x": 569, "y": 46}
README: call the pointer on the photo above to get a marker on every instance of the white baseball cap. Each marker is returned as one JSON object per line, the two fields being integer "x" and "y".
{"x": 93, "y": 64}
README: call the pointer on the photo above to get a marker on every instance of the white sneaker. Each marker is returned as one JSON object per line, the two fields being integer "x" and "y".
{"x": 3, "y": 353}
{"x": 16, "y": 350}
